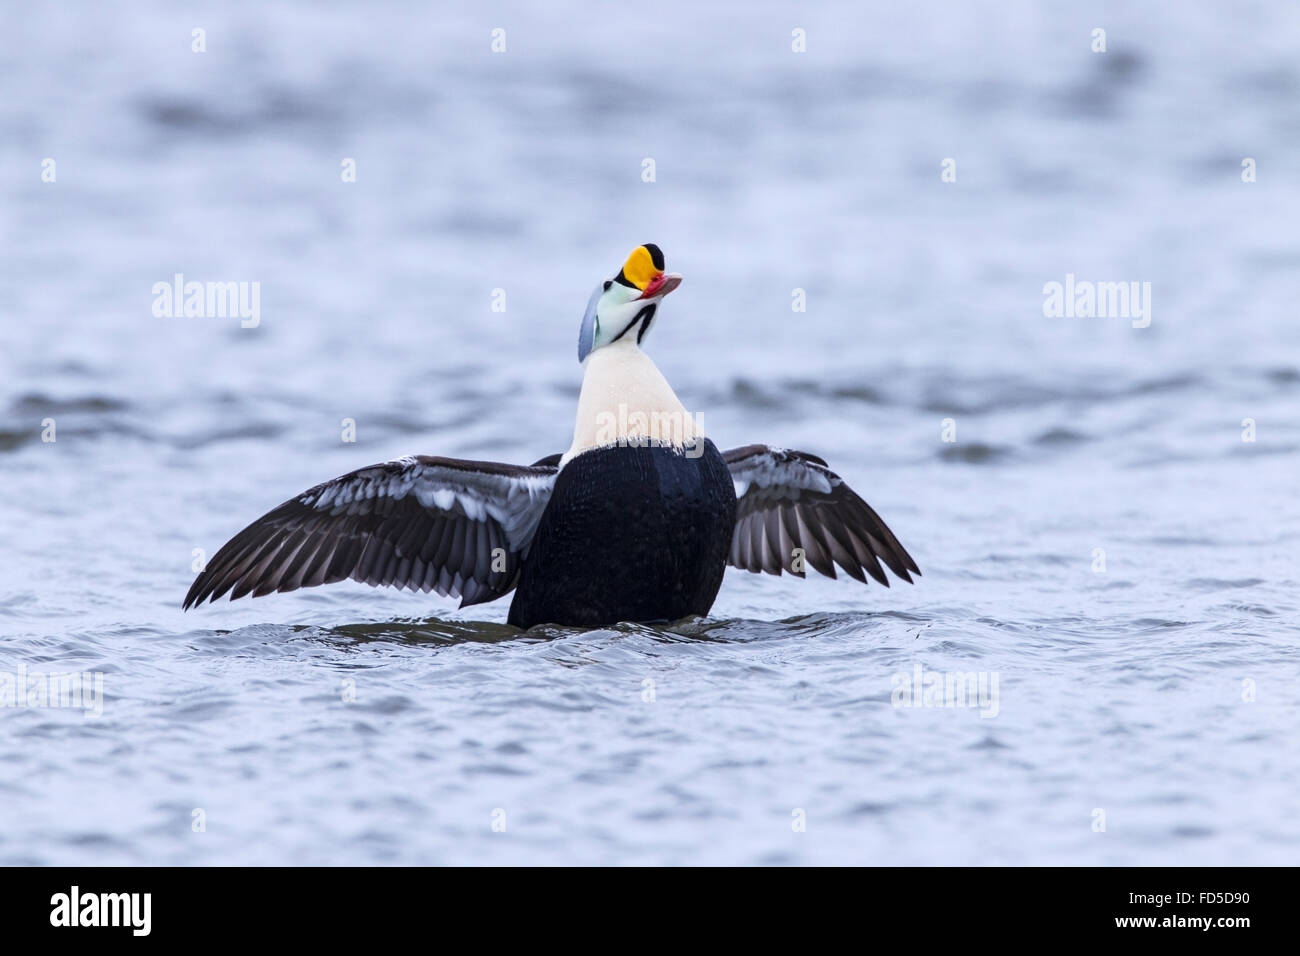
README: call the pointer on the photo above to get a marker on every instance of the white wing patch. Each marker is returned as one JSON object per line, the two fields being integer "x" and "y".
{"x": 516, "y": 502}
{"x": 779, "y": 469}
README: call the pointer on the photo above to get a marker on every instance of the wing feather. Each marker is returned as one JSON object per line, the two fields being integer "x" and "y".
{"x": 789, "y": 500}
{"x": 421, "y": 523}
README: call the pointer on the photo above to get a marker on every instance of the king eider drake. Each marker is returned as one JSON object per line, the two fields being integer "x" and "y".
{"x": 635, "y": 522}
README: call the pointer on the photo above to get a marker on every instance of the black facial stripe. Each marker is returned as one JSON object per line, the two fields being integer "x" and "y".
{"x": 645, "y": 313}
{"x": 622, "y": 280}
{"x": 649, "y": 313}
{"x": 656, "y": 255}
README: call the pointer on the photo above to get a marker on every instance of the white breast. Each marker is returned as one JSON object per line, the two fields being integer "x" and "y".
{"x": 625, "y": 398}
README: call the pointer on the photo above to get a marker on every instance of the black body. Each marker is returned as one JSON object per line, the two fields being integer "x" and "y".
{"x": 630, "y": 534}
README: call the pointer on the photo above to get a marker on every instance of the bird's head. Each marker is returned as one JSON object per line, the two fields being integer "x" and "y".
{"x": 623, "y": 308}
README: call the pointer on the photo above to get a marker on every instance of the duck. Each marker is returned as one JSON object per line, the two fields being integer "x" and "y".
{"x": 636, "y": 522}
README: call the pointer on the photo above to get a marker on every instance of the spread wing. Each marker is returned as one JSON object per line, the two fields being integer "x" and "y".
{"x": 456, "y": 527}
{"x": 788, "y": 500}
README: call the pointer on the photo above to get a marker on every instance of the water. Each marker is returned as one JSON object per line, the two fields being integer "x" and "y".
{"x": 1124, "y": 690}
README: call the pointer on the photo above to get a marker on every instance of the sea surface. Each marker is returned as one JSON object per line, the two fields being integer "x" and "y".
{"x": 1105, "y": 508}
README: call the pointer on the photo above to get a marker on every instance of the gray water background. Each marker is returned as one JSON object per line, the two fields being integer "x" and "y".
{"x": 1161, "y": 691}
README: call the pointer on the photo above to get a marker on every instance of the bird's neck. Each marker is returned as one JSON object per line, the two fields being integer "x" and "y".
{"x": 626, "y": 398}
